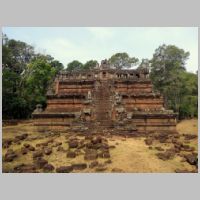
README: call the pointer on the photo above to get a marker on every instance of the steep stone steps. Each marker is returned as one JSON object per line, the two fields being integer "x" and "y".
{"x": 103, "y": 104}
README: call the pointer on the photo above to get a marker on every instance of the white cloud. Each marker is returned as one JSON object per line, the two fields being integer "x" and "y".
{"x": 101, "y": 32}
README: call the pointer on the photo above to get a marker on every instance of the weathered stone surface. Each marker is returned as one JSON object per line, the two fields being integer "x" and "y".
{"x": 24, "y": 150}
{"x": 48, "y": 167}
{"x": 108, "y": 161}
{"x": 47, "y": 151}
{"x": 40, "y": 162}
{"x": 37, "y": 154}
{"x": 191, "y": 159}
{"x": 31, "y": 148}
{"x": 90, "y": 154}
{"x": 79, "y": 166}
{"x": 112, "y": 146}
{"x": 73, "y": 144}
{"x": 190, "y": 136}
{"x": 10, "y": 156}
{"x": 185, "y": 147}
{"x": 96, "y": 140}
{"x": 149, "y": 141}
{"x": 7, "y": 142}
{"x": 57, "y": 144}
{"x": 162, "y": 137}
{"x": 100, "y": 154}
{"x": 168, "y": 154}
{"x": 71, "y": 154}
{"x": 101, "y": 167}
{"x": 64, "y": 169}
{"x": 25, "y": 168}
{"x": 106, "y": 155}
{"x": 26, "y": 145}
{"x": 88, "y": 137}
{"x": 117, "y": 170}
{"x": 184, "y": 171}
{"x": 93, "y": 164}
{"x": 159, "y": 148}
{"x": 60, "y": 148}
{"x": 22, "y": 136}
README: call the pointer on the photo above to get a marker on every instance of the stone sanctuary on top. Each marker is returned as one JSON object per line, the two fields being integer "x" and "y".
{"x": 105, "y": 99}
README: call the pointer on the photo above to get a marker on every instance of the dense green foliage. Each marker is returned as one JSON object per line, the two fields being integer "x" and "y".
{"x": 26, "y": 77}
{"x": 120, "y": 60}
{"x": 179, "y": 87}
{"x": 91, "y": 64}
{"x": 75, "y": 65}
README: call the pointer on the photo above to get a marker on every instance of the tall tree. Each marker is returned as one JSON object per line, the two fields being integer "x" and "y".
{"x": 74, "y": 66}
{"x": 169, "y": 76}
{"x": 91, "y": 64}
{"x": 25, "y": 78}
{"x": 122, "y": 60}
{"x": 40, "y": 76}
{"x": 16, "y": 54}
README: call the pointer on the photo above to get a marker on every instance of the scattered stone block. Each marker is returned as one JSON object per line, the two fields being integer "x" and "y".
{"x": 6, "y": 143}
{"x": 37, "y": 154}
{"x": 71, "y": 154}
{"x": 26, "y": 145}
{"x": 73, "y": 144}
{"x": 79, "y": 166}
{"x": 166, "y": 155}
{"x": 191, "y": 159}
{"x": 60, "y": 148}
{"x": 90, "y": 155}
{"x": 159, "y": 148}
{"x": 24, "y": 150}
{"x": 149, "y": 141}
{"x": 47, "y": 151}
{"x": 22, "y": 136}
{"x": 117, "y": 170}
{"x": 10, "y": 156}
{"x": 64, "y": 169}
{"x": 93, "y": 164}
{"x": 106, "y": 155}
{"x": 31, "y": 148}
{"x": 25, "y": 168}
{"x": 48, "y": 167}
{"x": 101, "y": 167}
{"x": 108, "y": 161}
{"x": 40, "y": 162}
{"x": 190, "y": 136}
{"x": 96, "y": 140}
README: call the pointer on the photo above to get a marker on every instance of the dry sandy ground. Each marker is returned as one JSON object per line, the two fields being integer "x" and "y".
{"x": 129, "y": 155}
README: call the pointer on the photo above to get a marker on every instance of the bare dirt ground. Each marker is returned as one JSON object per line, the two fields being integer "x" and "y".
{"x": 115, "y": 153}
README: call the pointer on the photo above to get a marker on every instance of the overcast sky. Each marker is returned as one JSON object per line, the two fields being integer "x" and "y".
{"x": 67, "y": 44}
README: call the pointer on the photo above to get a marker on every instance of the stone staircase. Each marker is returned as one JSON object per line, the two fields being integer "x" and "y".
{"x": 103, "y": 106}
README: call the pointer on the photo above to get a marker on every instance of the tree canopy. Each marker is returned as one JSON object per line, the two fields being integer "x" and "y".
{"x": 74, "y": 66}
{"x": 169, "y": 76}
{"x": 26, "y": 76}
{"x": 91, "y": 64}
{"x": 122, "y": 60}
